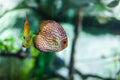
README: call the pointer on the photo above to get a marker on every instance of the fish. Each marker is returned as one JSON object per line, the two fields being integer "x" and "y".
{"x": 26, "y": 33}
{"x": 51, "y": 37}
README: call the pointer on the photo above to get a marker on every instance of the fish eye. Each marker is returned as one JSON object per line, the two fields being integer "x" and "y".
{"x": 24, "y": 37}
{"x": 64, "y": 42}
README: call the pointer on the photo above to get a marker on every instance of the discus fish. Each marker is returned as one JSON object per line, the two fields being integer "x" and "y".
{"x": 26, "y": 35}
{"x": 51, "y": 37}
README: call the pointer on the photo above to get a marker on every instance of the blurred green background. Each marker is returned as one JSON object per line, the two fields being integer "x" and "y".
{"x": 93, "y": 30}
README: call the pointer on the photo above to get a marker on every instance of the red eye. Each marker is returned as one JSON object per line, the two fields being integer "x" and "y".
{"x": 64, "y": 42}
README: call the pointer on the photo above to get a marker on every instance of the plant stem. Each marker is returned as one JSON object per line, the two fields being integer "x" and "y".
{"x": 77, "y": 22}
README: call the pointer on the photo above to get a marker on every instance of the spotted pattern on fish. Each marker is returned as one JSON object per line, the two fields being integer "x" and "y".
{"x": 51, "y": 37}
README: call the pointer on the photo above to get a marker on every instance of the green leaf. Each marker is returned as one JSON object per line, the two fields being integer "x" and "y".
{"x": 113, "y": 3}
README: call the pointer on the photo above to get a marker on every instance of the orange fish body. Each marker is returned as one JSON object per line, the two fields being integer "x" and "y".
{"x": 27, "y": 36}
{"x": 51, "y": 37}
